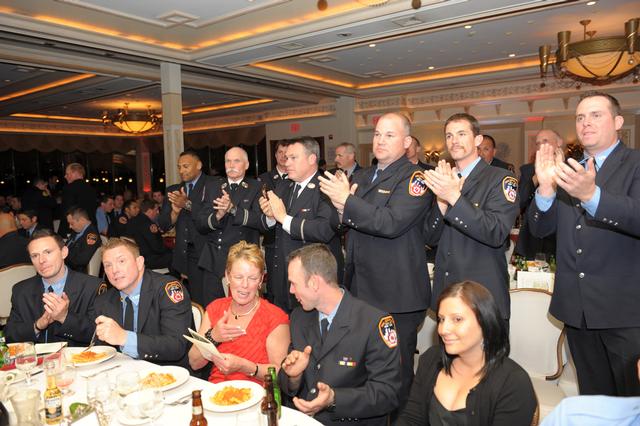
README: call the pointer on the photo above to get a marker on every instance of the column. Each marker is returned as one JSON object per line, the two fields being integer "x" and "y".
{"x": 173, "y": 140}
{"x": 143, "y": 167}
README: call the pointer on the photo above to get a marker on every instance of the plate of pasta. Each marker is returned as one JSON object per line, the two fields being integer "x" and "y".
{"x": 97, "y": 354}
{"x": 163, "y": 378}
{"x": 233, "y": 395}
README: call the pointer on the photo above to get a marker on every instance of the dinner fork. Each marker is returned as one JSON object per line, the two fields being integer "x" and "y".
{"x": 92, "y": 342}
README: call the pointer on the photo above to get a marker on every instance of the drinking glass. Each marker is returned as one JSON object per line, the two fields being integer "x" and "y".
{"x": 26, "y": 359}
{"x": 65, "y": 377}
{"x": 127, "y": 383}
{"x": 152, "y": 406}
{"x": 541, "y": 260}
{"x": 100, "y": 396}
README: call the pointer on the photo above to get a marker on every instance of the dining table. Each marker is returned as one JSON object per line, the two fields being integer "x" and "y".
{"x": 177, "y": 401}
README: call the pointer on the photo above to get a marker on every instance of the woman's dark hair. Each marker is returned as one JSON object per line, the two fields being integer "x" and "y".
{"x": 494, "y": 328}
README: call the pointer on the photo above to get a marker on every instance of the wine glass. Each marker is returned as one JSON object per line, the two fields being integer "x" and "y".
{"x": 26, "y": 359}
{"x": 152, "y": 406}
{"x": 100, "y": 396}
{"x": 65, "y": 377}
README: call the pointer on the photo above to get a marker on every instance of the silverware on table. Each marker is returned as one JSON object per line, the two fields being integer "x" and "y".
{"x": 113, "y": 367}
{"x": 92, "y": 342}
{"x": 180, "y": 401}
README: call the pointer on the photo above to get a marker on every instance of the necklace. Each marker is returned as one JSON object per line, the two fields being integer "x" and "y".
{"x": 237, "y": 315}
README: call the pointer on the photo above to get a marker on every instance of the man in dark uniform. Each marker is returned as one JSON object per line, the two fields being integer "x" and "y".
{"x": 130, "y": 210}
{"x": 271, "y": 180}
{"x": 593, "y": 207}
{"x": 178, "y": 210}
{"x": 38, "y": 198}
{"x": 384, "y": 210}
{"x": 83, "y": 241}
{"x": 77, "y": 193}
{"x": 13, "y": 246}
{"x": 344, "y": 364}
{"x": 144, "y": 314}
{"x": 475, "y": 210}
{"x": 56, "y": 304}
{"x": 487, "y": 151}
{"x": 346, "y": 159}
{"x": 230, "y": 213}
{"x": 29, "y": 222}
{"x": 528, "y": 245}
{"x": 415, "y": 154}
{"x": 144, "y": 230}
{"x": 118, "y": 207}
{"x": 301, "y": 215}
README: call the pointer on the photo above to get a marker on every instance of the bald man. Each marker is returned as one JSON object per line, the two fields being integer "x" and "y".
{"x": 527, "y": 244}
{"x": 13, "y": 246}
{"x": 230, "y": 213}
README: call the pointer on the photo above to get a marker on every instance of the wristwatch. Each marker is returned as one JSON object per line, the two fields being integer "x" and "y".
{"x": 188, "y": 205}
{"x": 210, "y": 337}
{"x": 233, "y": 210}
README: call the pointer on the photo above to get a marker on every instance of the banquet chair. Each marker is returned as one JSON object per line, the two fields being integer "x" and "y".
{"x": 537, "y": 344}
{"x": 198, "y": 313}
{"x": 9, "y": 276}
{"x": 93, "y": 268}
{"x": 427, "y": 336}
{"x": 104, "y": 239}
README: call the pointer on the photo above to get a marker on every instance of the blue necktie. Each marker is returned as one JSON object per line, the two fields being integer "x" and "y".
{"x": 375, "y": 176}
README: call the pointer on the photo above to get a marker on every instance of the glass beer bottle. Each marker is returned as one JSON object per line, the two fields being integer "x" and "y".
{"x": 197, "y": 417}
{"x": 269, "y": 406}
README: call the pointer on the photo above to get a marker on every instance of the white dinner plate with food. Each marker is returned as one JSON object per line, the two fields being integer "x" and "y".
{"x": 93, "y": 356}
{"x": 163, "y": 378}
{"x": 233, "y": 395}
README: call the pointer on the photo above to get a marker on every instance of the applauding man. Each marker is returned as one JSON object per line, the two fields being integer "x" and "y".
{"x": 476, "y": 208}
{"x": 593, "y": 206}
{"x": 54, "y": 305}
{"x": 344, "y": 364}
{"x": 145, "y": 314}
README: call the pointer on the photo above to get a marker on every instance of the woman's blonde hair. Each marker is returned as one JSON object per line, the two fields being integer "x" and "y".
{"x": 245, "y": 251}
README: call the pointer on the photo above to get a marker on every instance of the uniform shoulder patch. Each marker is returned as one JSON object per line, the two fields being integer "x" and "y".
{"x": 92, "y": 238}
{"x": 153, "y": 228}
{"x": 417, "y": 184}
{"x": 102, "y": 288}
{"x": 387, "y": 329}
{"x": 174, "y": 291}
{"x": 510, "y": 188}
{"x": 123, "y": 220}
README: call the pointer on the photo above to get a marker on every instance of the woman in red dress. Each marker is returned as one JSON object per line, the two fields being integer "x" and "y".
{"x": 250, "y": 333}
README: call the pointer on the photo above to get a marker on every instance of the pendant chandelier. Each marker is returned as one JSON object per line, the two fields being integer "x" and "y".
{"x": 592, "y": 60}
{"x": 132, "y": 121}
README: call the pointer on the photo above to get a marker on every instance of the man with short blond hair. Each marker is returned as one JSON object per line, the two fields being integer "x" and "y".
{"x": 56, "y": 304}
{"x": 144, "y": 314}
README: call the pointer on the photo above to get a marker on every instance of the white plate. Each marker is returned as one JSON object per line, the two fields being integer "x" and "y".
{"x": 49, "y": 348}
{"x": 257, "y": 393}
{"x": 130, "y": 421}
{"x": 111, "y": 352}
{"x": 181, "y": 375}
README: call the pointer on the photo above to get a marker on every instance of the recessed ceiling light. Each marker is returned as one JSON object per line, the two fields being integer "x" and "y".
{"x": 508, "y": 33}
{"x": 512, "y": 55}
{"x": 372, "y": 45}
{"x": 431, "y": 67}
{"x": 591, "y": 3}
{"x": 468, "y": 27}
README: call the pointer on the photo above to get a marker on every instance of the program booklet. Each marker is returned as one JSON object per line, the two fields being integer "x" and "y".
{"x": 207, "y": 348}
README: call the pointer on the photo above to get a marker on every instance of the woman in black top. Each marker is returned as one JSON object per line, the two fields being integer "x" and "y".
{"x": 468, "y": 379}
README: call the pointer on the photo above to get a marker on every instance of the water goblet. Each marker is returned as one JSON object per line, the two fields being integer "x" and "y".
{"x": 65, "y": 377}
{"x": 152, "y": 406}
{"x": 27, "y": 359}
{"x": 127, "y": 383}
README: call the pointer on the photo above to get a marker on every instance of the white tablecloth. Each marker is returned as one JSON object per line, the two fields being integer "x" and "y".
{"x": 172, "y": 415}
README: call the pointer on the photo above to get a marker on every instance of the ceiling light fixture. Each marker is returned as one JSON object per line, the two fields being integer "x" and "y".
{"x": 594, "y": 60}
{"x": 591, "y": 3}
{"x": 373, "y": 3}
{"x": 372, "y": 45}
{"x": 468, "y": 27}
{"x": 132, "y": 122}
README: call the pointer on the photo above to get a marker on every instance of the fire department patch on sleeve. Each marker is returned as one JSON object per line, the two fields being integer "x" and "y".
{"x": 510, "y": 188}
{"x": 122, "y": 220}
{"x": 174, "y": 291}
{"x": 102, "y": 288}
{"x": 417, "y": 184}
{"x": 387, "y": 329}
{"x": 91, "y": 238}
{"x": 153, "y": 228}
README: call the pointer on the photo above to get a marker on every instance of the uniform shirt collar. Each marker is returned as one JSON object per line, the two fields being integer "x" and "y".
{"x": 601, "y": 157}
{"x": 58, "y": 286}
{"x": 135, "y": 294}
{"x": 231, "y": 182}
{"x": 79, "y": 234}
{"x": 331, "y": 314}
{"x": 194, "y": 181}
{"x": 304, "y": 183}
{"x": 467, "y": 170}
